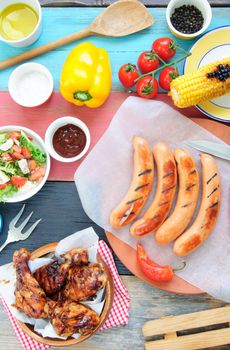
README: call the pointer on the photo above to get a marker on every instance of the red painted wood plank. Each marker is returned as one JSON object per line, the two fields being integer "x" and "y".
{"x": 97, "y": 120}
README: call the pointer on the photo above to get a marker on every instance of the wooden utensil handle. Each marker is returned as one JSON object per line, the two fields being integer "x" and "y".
{"x": 44, "y": 48}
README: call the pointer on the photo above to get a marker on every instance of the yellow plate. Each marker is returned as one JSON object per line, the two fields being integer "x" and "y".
{"x": 212, "y": 46}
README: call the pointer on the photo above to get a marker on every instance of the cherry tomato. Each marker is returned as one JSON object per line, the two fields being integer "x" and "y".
{"x": 147, "y": 62}
{"x": 165, "y": 48}
{"x": 147, "y": 87}
{"x": 127, "y": 74}
{"x": 166, "y": 76}
{"x": 152, "y": 270}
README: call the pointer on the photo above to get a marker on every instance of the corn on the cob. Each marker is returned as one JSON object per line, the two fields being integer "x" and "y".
{"x": 206, "y": 83}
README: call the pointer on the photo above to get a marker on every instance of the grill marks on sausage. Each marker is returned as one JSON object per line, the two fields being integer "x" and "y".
{"x": 215, "y": 189}
{"x": 211, "y": 215}
{"x": 168, "y": 174}
{"x": 134, "y": 200}
{"x": 189, "y": 187}
{"x": 213, "y": 205}
{"x": 192, "y": 172}
{"x": 186, "y": 205}
{"x": 140, "y": 187}
{"x": 147, "y": 171}
{"x": 211, "y": 178}
{"x": 168, "y": 189}
{"x": 163, "y": 203}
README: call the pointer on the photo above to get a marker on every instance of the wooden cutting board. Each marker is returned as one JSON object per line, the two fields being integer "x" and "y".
{"x": 184, "y": 332}
{"x": 97, "y": 120}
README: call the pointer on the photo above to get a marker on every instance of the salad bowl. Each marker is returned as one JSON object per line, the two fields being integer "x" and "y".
{"x": 24, "y": 163}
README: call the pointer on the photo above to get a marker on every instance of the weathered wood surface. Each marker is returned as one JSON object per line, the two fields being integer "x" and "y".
{"x": 60, "y": 208}
{"x": 149, "y": 3}
{"x": 146, "y": 303}
{"x": 58, "y": 22}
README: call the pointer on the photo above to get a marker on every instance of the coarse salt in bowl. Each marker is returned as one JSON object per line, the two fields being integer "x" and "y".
{"x": 30, "y": 84}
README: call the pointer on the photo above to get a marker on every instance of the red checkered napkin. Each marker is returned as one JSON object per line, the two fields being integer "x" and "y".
{"x": 119, "y": 314}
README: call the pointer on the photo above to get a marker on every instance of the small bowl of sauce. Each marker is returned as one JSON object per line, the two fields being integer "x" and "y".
{"x": 67, "y": 139}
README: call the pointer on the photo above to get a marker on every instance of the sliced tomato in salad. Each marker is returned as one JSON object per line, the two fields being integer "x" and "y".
{"x": 6, "y": 157}
{"x": 37, "y": 174}
{"x": 3, "y": 186}
{"x": 26, "y": 152}
{"x": 15, "y": 135}
{"x": 18, "y": 181}
{"x": 17, "y": 155}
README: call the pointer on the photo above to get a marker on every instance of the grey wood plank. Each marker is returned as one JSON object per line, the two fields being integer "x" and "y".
{"x": 146, "y": 303}
{"x": 61, "y": 211}
{"x": 149, "y": 3}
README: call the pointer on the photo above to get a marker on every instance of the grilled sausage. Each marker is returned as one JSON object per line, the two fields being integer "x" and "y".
{"x": 140, "y": 187}
{"x": 206, "y": 219}
{"x": 166, "y": 187}
{"x": 186, "y": 200}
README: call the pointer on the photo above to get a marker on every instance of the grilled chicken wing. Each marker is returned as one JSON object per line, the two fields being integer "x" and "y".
{"x": 69, "y": 317}
{"x": 30, "y": 298}
{"x": 83, "y": 282}
{"x": 52, "y": 277}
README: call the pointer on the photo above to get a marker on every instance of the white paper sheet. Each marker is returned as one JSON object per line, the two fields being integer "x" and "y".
{"x": 86, "y": 238}
{"x": 104, "y": 177}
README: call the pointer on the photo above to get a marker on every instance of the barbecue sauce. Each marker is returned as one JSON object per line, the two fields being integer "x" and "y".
{"x": 69, "y": 141}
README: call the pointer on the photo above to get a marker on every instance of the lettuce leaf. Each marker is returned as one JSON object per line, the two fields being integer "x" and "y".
{"x": 7, "y": 192}
{"x": 3, "y": 137}
{"x": 35, "y": 151}
{"x": 8, "y": 167}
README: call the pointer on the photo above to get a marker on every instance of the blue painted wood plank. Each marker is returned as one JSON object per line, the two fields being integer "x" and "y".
{"x": 58, "y": 22}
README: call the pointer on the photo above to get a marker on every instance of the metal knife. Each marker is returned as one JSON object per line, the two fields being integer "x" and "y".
{"x": 217, "y": 149}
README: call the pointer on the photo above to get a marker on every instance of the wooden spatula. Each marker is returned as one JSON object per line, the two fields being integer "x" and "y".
{"x": 122, "y": 18}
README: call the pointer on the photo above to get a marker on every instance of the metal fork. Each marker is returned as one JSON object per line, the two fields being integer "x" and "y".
{"x": 15, "y": 233}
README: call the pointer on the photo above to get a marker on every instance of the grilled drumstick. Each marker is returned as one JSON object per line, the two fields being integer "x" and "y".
{"x": 30, "y": 298}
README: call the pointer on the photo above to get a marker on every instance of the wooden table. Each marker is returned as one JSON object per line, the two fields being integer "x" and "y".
{"x": 58, "y": 203}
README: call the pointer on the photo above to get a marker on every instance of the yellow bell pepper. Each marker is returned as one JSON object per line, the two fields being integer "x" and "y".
{"x": 86, "y": 76}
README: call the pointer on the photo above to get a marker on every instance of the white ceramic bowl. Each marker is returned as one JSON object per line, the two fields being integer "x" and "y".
{"x": 56, "y": 125}
{"x": 202, "y": 5}
{"x": 30, "y": 84}
{"x": 31, "y": 38}
{"x": 22, "y": 195}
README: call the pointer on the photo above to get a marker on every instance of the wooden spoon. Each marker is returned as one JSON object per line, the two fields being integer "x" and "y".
{"x": 122, "y": 18}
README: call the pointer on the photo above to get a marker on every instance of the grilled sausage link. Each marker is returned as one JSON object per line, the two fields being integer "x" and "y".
{"x": 140, "y": 187}
{"x": 166, "y": 187}
{"x": 206, "y": 219}
{"x": 186, "y": 200}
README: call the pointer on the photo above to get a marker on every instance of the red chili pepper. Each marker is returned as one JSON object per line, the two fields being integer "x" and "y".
{"x": 152, "y": 270}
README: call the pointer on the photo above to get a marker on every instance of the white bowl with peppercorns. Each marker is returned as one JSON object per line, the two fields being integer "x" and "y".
{"x": 188, "y": 19}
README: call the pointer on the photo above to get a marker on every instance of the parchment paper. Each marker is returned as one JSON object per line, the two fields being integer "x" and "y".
{"x": 86, "y": 238}
{"x": 104, "y": 177}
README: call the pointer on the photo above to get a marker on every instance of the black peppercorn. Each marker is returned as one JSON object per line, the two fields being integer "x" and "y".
{"x": 187, "y": 19}
{"x": 221, "y": 73}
